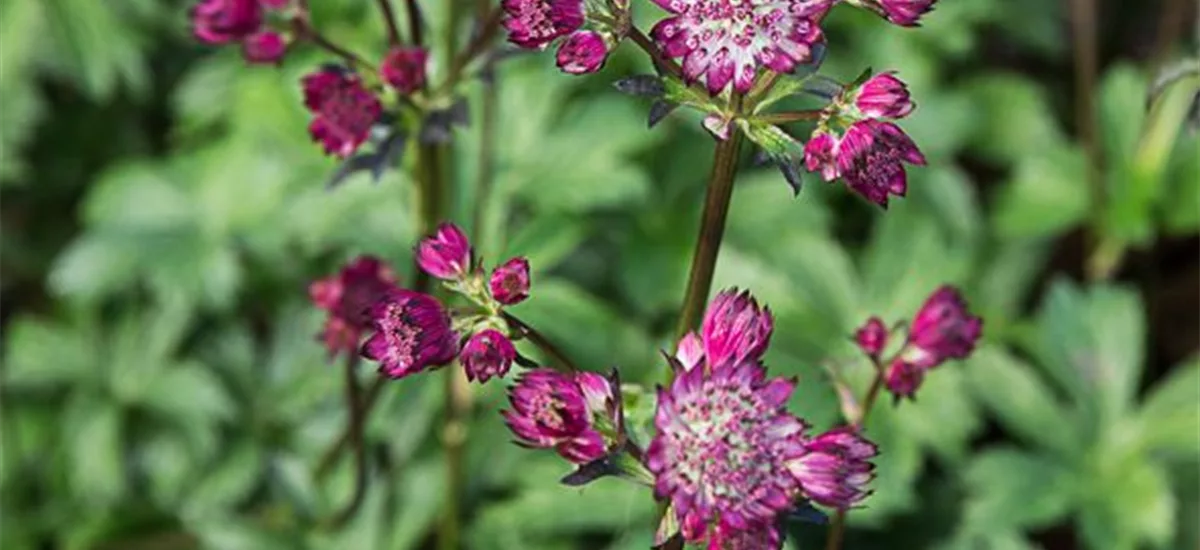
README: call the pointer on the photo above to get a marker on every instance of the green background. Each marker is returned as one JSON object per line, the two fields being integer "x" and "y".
{"x": 164, "y": 209}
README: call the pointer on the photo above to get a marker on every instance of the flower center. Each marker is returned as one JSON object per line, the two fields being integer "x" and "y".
{"x": 401, "y": 335}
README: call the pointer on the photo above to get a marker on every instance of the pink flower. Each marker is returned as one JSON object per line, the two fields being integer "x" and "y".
{"x": 533, "y": 24}
{"x": 762, "y": 537}
{"x": 404, "y": 68}
{"x": 724, "y": 40}
{"x": 871, "y": 157}
{"x": 819, "y": 155}
{"x": 903, "y": 378}
{"x": 446, "y": 254}
{"x": 906, "y": 13}
{"x": 412, "y": 333}
{"x": 943, "y": 329}
{"x": 872, "y": 337}
{"x": 582, "y": 52}
{"x": 690, "y": 351}
{"x": 265, "y": 47}
{"x": 510, "y": 282}
{"x": 735, "y": 329}
{"x": 550, "y": 410}
{"x": 721, "y": 452}
{"x": 343, "y": 110}
{"x": 347, "y": 296}
{"x": 225, "y": 21}
{"x": 883, "y": 96}
{"x": 835, "y": 468}
{"x": 488, "y": 353}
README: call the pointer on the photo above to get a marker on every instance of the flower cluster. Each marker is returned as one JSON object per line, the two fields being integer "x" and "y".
{"x": 447, "y": 255}
{"x": 572, "y": 413}
{"x": 343, "y": 109}
{"x": 853, "y": 141}
{"x": 347, "y": 298}
{"x": 727, "y": 454}
{"x": 943, "y": 329}
{"x": 243, "y": 21}
{"x": 535, "y": 24}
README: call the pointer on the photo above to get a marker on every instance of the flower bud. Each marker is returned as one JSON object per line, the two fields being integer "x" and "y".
{"x": 582, "y": 52}
{"x": 943, "y": 329}
{"x": 264, "y": 47}
{"x": 903, "y": 378}
{"x": 488, "y": 353}
{"x": 735, "y": 328}
{"x": 872, "y": 337}
{"x": 836, "y": 467}
{"x": 883, "y": 96}
{"x": 404, "y": 68}
{"x": 446, "y": 254}
{"x": 510, "y": 282}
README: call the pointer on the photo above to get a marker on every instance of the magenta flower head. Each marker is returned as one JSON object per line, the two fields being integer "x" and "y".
{"x": 488, "y": 353}
{"x": 735, "y": 329}
{"x": 348, "y": 296}
{"x": 724, "y": 40}
{"x": 872, "y": 337}
{"x": 883, "y": 96}
{"x": 343, "y": 110}
{"x": 835, "y": 468}
{"x": 404, "y": 68}
{"x": 446, "y": 254}
{"x": 906, "y": 13}
{"x": 943, "y": 329}
{"x": 533, "y": 24}
{"x": 550, "y": 410}
{"x": 510, "y": 281}
{"x": 903, "y": 378}
{"x": 722, "y": 448}
{"x": 264, "y": 47}
{"x": 819, "y": 155}
{"x": 412, "y": 333}
{"x": 582, "y": 52}
{"x": 871, "y": 157}
{"x": 225, "y": 21}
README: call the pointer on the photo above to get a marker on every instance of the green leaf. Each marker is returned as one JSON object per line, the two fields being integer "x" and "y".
{"x": 1008, "y": 490}
{"x": 1128, "y": 502}
{"x": 1047, "y": 195}
{"x": 945, "y": 417}
{"x": 422, "y": 490}
{"x": 190, "y": 392}
{"x": 232, "y": 533}
{"x": 93, "y": 434}
{"x": 46, "y": 354}
{"x": 229, "y": 483}
{"x": 1022, "y": 402}
{"x": 545, "y": 241}
{"x": 1169, "y": 421}
{"x": 1015, "y": 118}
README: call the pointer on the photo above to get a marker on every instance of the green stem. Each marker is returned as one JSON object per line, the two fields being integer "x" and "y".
{"x": 712, "y": 230}
{"x": 837, "y": 527}
{"x": 389, "y": 19}
{"x": 355, "y": 407}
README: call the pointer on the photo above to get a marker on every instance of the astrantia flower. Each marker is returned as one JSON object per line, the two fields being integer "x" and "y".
{"x": 943, "y": 329}
{"x": 412, "y": 333}
{"x": 264, "y": 47}
{"x": 582, "y": 52}
{"x": 535, "y": 23}
{"x": 883, "y": 96}
{"x": 872, "y": 337}
{"x": 903, "y": 378}
{"x": 906, "y": 13}
{"x": 486, "y": 354}
{"x": 509, "y": 282}
{"x": 404, "y": 68}
{"x": 446, "y": 254}
{"x": 225, "y": 21}
{"x": 724, "y": 40}
{"x": 735, "y": 329}
{"x": 550, "y": 410}
{"x": 819, "y": 155}
{"x": 343, "y": 110}
{"x": 724, "y": 440}
{"x": 835, "y": 468}
{"x": 766, "y": 537}
{"x": 348, "y": 296}
{"x": 871, "y": 157}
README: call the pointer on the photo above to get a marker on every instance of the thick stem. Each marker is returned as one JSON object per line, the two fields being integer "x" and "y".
{"x": 414, "y": 22}
{"x": 543, "y": 343}
{"x": 389, "y": 19}
{"x": 355, "y": 407}
{"x": 1083, "y": 35}
{"x": 712, "y": 229}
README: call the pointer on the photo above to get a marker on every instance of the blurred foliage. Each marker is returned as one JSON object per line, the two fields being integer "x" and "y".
{"x": 164, "y": 210}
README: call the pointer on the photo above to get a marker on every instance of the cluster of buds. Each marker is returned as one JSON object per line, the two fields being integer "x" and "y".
{"x": 586, "y": 30}
{"x": 943, "y": 329}
{"x": 248, "y": 22}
